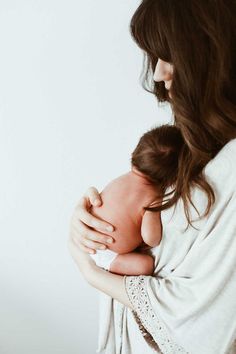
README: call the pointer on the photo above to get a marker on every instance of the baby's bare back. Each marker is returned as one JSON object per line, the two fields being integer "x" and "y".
{"x": 123, "y": 201}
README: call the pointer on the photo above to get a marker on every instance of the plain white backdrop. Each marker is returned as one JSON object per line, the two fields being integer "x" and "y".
{"x": 71, "y": 111}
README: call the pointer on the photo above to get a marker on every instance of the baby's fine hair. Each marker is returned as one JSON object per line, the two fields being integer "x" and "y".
{"x": 157, "y": 155}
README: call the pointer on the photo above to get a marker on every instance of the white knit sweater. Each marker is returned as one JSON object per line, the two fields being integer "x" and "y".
{"x": 189, "y": 304}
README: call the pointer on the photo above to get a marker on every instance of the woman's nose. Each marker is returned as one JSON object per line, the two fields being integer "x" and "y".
{"x": 163, "y": 71}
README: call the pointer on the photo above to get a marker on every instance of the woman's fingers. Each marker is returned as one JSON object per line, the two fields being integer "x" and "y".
{"x": 94, "y": 196}
{"x": 87, "y": 237}
{"x": 93, "y": 245}
{"x": 87, "y": 231}
{"x": 81, "y": 212}
{"x": 81, "y": 246}
{"x": 82, "y": 233}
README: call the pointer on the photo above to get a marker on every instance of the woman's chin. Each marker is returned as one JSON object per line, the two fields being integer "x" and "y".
{"x": 169, "y": 94}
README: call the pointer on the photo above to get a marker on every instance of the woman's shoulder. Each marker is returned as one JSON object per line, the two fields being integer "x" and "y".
{"x": 228, "y": 151}
{"x": 221, "y": 170}
{"x": 220, "y": 173}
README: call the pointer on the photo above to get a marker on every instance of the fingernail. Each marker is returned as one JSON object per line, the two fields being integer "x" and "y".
{"x": 109, "y": 228}
{"x": 102, "y": 247}
{"x": 109, "y": 240}
{"x": 96, "y": 202}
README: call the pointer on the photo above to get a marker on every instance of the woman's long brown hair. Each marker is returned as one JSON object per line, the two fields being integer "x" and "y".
{"x": 198, "y": 37}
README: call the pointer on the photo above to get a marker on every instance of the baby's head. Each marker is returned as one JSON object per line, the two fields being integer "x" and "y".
{"x": 157, "y": 155}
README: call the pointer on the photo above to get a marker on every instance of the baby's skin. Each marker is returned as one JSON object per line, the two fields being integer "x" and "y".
{"x": 123, "y": 199}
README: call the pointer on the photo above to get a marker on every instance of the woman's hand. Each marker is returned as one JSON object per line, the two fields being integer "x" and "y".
{"x": 87, "y": 231}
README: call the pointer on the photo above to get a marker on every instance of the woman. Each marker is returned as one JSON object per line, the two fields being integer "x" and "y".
{"x": 189, "y": 304}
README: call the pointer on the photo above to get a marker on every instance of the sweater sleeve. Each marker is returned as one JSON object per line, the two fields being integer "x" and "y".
{"x": 192, "y": 307}
{"x": 152, "y": 327}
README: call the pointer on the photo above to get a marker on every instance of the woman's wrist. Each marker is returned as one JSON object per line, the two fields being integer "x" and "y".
{"x": 91, "y": 272}
{"x": 88, "y": 267}
{"x": 109, "y": 283}
{"x": 81, "y": 258}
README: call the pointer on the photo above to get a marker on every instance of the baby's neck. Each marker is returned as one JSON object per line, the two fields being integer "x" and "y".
{"x": 138, "y": 173}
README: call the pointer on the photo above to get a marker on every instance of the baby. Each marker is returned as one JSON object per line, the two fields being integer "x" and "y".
{"x": 126, "y": 199}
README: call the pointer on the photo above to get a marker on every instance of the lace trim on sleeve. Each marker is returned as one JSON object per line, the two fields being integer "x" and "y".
{"x": 152, "y": 328}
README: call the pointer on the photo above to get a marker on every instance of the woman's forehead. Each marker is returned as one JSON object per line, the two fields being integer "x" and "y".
{"x": 150, "y": 31}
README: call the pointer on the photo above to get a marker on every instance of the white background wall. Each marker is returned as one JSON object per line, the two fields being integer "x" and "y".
{"x": 71, "y": 111}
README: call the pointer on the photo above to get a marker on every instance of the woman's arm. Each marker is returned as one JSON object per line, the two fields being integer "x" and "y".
{"x": 109, "y": 283}
{"x": 83, "y": 238}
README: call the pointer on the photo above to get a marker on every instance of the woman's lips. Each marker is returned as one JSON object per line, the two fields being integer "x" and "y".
{"x": 167, "y": 85}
